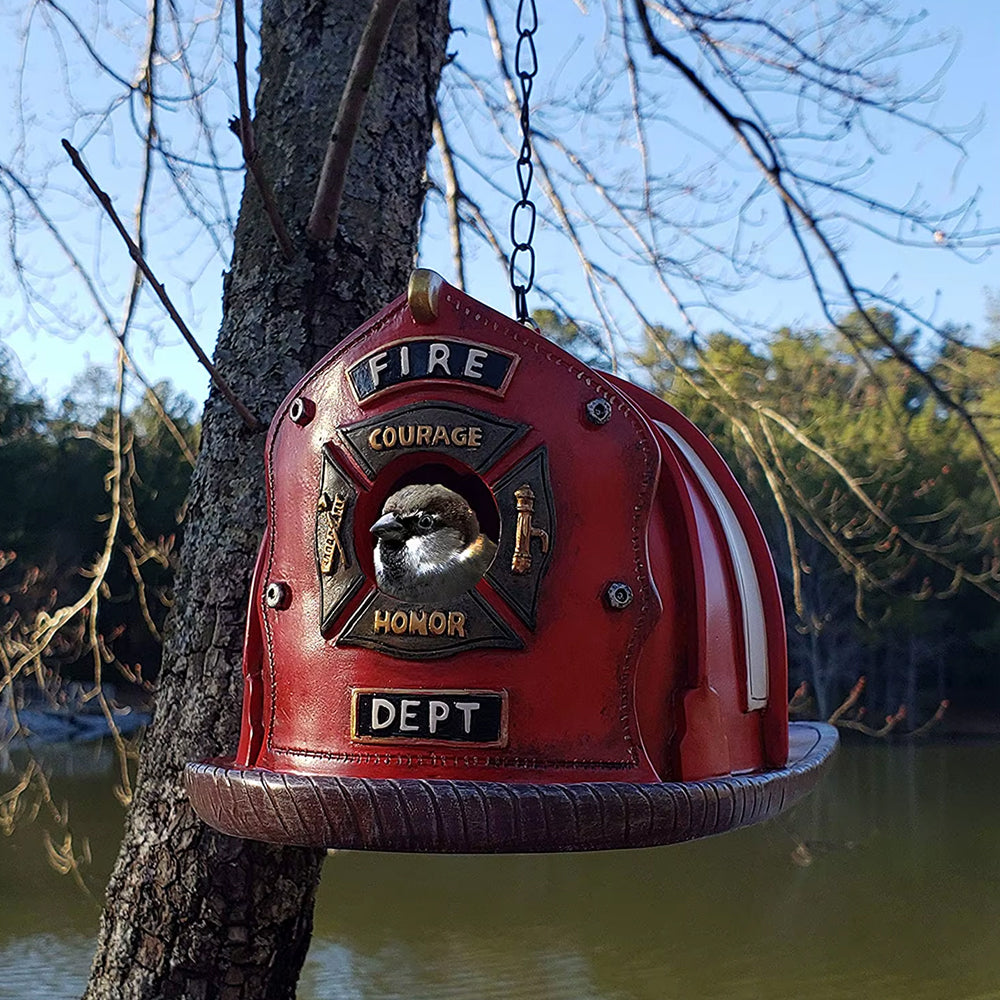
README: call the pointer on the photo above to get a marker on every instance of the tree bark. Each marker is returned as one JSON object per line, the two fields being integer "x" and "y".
{"x": 191, "y": 913}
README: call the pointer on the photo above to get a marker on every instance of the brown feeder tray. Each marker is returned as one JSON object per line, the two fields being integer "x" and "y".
{"x": 490, "y": 817}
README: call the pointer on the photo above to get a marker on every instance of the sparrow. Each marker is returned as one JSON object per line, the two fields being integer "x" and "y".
{"x": 428, "y": 545}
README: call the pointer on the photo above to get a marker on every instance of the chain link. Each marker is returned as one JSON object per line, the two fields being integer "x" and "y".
{"x": 522, "y": 217}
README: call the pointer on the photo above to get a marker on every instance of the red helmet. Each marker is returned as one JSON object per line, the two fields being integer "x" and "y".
{"x": 491, "y": 574}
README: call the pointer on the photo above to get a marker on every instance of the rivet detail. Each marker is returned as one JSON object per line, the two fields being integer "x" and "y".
{"x": 301, "y": 411}
{"x": 598, "y": 411}
{"x": 277, "y": 595}
{"x": 618, "y": 595}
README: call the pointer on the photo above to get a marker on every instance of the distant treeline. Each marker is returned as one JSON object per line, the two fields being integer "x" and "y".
{"x": 55, "y": 510}
{"x": 871, "y": 491}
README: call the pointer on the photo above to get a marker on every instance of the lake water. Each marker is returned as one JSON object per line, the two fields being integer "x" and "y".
{"x": 884, "y": 883}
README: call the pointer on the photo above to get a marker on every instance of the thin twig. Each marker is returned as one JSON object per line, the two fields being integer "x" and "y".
{"x": 248, "y": 418}
{"x": 849, "y": 702}
{"x": 932, "y": 721}
{"x": 148, "y": 91}
{"x": 768, "y": 155}
{"x": 118, "y": 490}
{"x": 452, "y": 195}
{"x": 50, "y": 626}
{"x": 157, "y": 404}
{"x": 891, "y": 721}
{"x": 249, "y": 142}
{"x": 109, "y": 323}
{"x": 326, "y": 206}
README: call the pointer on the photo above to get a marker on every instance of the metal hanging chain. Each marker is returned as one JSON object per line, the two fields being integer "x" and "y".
{"x": 522, "y": 217}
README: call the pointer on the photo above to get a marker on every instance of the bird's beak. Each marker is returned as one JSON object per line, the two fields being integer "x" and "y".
{"x": 388, "y": 526}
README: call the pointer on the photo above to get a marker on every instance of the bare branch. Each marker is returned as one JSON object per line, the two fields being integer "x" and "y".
{"x": 49, "y": 625}
{"x": 148, "y": 90}
{"x": 452, "y": 195}
{"x": 767, "y": 155}
{"x": 849, "y": 702}
{"x": 105, "y": 315}
{"x": 330, "y": 191}
{"x": 245, "y": 415}
{"x": 249, "y": 142}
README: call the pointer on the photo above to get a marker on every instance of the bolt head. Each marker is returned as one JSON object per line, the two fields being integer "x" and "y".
{"x": 277, "y": 595}
{"x": 598, "y": 411}
{"x": 301, "y": 411}
{"x": 618, "y": 596}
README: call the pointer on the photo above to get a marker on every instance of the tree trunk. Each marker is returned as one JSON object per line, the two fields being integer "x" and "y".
{"x": 191, "y": 913}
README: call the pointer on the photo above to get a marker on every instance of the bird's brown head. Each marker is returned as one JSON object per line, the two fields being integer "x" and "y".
{"x": 422, "y": 509}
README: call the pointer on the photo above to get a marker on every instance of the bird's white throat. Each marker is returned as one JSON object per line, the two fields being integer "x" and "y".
{"x": 430, "y": 562}
{"x": 435, "y": 553}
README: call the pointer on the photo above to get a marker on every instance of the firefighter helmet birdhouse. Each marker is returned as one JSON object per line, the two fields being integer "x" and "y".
{"x": 503, "y": 603}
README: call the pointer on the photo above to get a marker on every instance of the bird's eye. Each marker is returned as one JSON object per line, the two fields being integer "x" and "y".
{"x": 425, "y": 522}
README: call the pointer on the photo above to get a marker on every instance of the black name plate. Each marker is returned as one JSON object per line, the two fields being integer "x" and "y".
{"x": 477, "y": 718}
{"x": 427, "y": 359}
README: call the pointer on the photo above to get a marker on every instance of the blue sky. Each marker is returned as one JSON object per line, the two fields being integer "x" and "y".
{"x": 53, "y": 351}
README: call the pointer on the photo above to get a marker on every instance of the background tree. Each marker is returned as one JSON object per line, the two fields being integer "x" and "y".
{"x": 86, "y": 579}
{"x": 788, "y": 99}
{"x": 876, "y": 518}
{"x": 55, "y": 514}
{"x": 192, "y": 913}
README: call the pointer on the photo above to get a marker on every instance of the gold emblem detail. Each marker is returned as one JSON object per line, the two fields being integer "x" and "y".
{"x": 419, "y": 622}
{"x": 333, "y": 548}
{"x": 525, "y": 532}
{"x": 422, "y": 294}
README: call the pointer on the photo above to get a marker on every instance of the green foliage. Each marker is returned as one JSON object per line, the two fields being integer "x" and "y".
{"x": 873, "y": 496}
{"x": 585, "y": 341}
{"x": 54, "y": 517}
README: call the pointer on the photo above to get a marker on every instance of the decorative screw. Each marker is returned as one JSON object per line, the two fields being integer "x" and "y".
{"x": 599, "y": 411}
{"x": 618, "y": 595}
{"x": 277, "y": 595}
{"x": 301, "y": 411}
